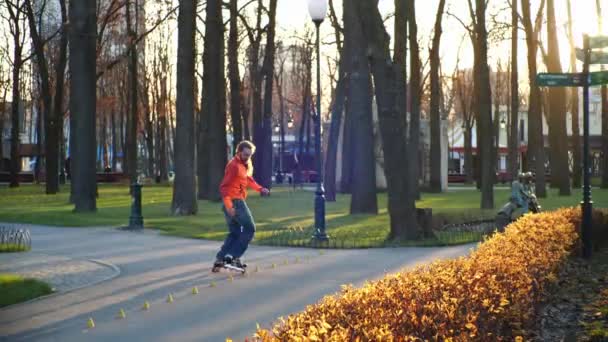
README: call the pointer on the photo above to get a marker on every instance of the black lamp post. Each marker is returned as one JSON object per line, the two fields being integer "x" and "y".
{"x": 318, "y": 11}
{"x": 587, "y": 203}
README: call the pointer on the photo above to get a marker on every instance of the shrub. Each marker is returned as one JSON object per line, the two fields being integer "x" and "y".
{"x": 490, "y": 295}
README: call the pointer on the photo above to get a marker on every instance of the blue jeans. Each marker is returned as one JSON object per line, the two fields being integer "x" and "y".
{"x": 241, "y": 229}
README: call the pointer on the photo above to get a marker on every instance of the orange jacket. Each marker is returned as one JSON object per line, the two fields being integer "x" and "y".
{"x": 236, "y": 181}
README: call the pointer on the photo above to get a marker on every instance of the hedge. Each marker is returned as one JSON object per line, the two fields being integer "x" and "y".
{"x": 491, "y": 295}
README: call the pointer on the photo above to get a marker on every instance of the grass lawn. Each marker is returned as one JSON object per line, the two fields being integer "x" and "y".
{"x": 15, "y": 289}
{"x": 285, "y": 210}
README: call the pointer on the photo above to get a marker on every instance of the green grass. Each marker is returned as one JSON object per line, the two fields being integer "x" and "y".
{"x": 15, "y": 289}
{"x": 282, "y": 211}
{"x": 11, "y": 247}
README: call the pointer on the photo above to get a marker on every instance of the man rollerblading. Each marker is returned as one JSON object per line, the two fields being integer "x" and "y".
{"x": 241, "y": 226}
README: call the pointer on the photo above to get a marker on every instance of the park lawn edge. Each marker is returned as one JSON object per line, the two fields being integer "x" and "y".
{"x": 15, "y": 289}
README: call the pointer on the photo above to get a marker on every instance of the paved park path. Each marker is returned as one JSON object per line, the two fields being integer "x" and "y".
{"x": 98, "y": 271}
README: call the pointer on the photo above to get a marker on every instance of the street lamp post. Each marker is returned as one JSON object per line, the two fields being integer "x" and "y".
{"x": 586, "y": 204}
{"x": 318, "y": 11}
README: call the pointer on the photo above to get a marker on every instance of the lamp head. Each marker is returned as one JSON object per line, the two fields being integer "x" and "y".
{"x": 317, "y": 10}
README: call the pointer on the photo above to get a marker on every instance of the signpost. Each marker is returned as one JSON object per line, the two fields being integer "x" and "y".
{"x": 571, "y": 79}
{"x": 585, "y": 80}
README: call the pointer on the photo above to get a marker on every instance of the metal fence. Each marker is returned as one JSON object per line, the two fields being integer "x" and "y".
{"x": 15, "y": 239}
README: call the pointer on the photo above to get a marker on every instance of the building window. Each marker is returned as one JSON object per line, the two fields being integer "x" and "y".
{"x": 522, "y": 126}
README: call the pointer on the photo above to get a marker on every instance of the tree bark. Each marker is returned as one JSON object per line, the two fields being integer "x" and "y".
{"x": 401, "y": 205}
{"x": 15, "y": 165}
{"x": 263, "y": 132}
{"x": 114, "y": 140}
{"x": 536, "y": 152}
{"x": 184, "y": 196}
{"x": 149, "y": 126}
{"x": 132, "y": 118}
{"x": 234, "y": 76}
{"x": 557, "y": 111}
{"x": 82, "y": 37}
{"x": 336, "y": 116}
{"x": 435, "y": 184}
{"x": 214, "y": 101}
{"x": 363, "y": 189}
{"x": 604, "y": 92}
{"x": 415, "y": 91}
{"x": 483, "y": 103}
{"x": 51, "y": 143}
{"x": 513, "y": 163}
{"x": 575, "y": 137}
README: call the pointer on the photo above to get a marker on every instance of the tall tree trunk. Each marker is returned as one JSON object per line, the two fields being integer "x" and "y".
{"x": 400, "y": 61}
{"x": 334, "y": 132}
{"x": 82, "y": 36}
{"x": 513, "y": 164}
{"x": 300, "y": 152}
{"x": 132, "y": 118}
{"x": 51, "y": 113}
{"x": 2, "y": 118}
{"x": 436, "y": 167}
{"x": 536, "y": 150}
{"x": 557, "y": 111}
{"x": 245, "y": 114}
{"x": 162, "y": 131}
{"x": 401, "y": 206}
{"x": 263, "y": 132}
{"x": 184, "y": 195}
{"x": 604, "y": 91}
{"x": 415, "y": 85}
{"x": 496, "y": 122}
{"x": 149, "y": 137}
{"x": 234, "y": 76}
{"x": 468, "y": 154}
{"x": 336, "y": 115}
{"x": 483, "y": 95}
{"x": 60, "y": 87}
{"x": 576, "y": 138}
{"x": 214, "y": 99}
{"x": 15, "y": 166}
{"x": 363, "y": 187}
{"x": 114, "y": 140}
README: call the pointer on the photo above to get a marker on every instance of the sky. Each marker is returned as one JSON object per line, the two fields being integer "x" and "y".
{"x": 293, "y": 15}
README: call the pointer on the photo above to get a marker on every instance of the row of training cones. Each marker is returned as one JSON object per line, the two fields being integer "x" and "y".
{"x": 122, "y": 314}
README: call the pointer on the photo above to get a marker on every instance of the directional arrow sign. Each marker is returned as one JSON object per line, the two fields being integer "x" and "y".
{"x": 596, "y": 57}
{"x": 598, "y": 42}
{"x": 560, "y": 80}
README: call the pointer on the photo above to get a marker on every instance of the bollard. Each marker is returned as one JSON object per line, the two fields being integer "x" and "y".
{"x": 136, "y": 220}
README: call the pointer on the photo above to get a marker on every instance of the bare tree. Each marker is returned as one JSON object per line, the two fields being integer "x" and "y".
{"x": 52, "y": 103}
{"x": 214, "y": 101}
{"x": 234, "y": 76}
{"x": 483, "y": 102}
{"x": 401, "y": 204}
{"x": 337, "y": 110}
{"x": 415, "y": 95}
{"x": 435, "y": 184}
{"x": 184, "y": 194}
{"x": 15, "y": 22}
{"x": 513, "y": 164}
{"x": 536, "y": 153}
{"x": 557, "y": 111}
{"x": 359, "y": 111}
{"x": 83, "y": 29}
{"x": 604, "y": 91}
